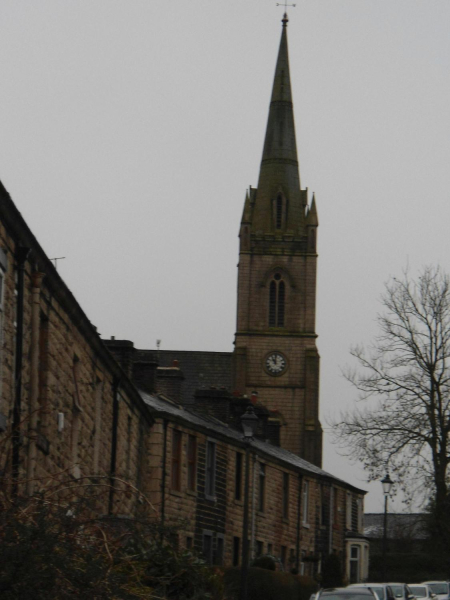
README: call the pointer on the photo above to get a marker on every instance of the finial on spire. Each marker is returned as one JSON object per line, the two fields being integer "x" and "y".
{"x": 285, "y": 19}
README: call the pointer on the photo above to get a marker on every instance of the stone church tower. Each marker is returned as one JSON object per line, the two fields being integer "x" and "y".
{"x": 275, "y": 347}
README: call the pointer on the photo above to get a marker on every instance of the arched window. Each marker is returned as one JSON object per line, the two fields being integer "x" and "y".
{"x": 276, "y": 301}
{"x": 279, "y": 212}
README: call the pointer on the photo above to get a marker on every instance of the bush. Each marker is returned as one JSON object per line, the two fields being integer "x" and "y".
{"x": 52, "y": 550}
{"x": 265, "y": 562}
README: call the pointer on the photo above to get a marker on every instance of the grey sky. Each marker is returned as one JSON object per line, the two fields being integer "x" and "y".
{"x": 129, "y": 131}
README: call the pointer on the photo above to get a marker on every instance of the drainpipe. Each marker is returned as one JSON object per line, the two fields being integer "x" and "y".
{"x": 330, "y": 539}
{"x": 115, "y": 421}
{"x": 163, "y": 481}
{"x": 299, "y": 511}
{"x": 21, "y": 257}
{"x": 34, "y": 379}
{"x": 255, "y": 483}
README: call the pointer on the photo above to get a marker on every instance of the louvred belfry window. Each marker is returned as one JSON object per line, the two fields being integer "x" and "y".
{"x": 276, "y": 301}
{"x": 279, "y": 212}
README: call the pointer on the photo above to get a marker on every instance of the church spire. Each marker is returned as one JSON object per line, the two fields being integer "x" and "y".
{"x": 279, "y": 173}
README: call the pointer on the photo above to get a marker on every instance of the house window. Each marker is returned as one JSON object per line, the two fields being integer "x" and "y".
{"x": 270, "y": 549}
{"x": 302, "y": 562}
{"x": 286, "y": 495}
{"x": 277, "y": 294}
{"x": 354, "y": 564}
{"x": 192, "y": 463}
{"x": 359, "y": 504}
{"x": 262, "y": 486}
{"x": 238, "y": 477}
{"x": 176, "y": 460}
{"x": 305, "y": 519}
{"x": 336, "y": 508}
{"x": 220, "y": 550}
{"x": 236, "y": 551}
{"x": 208, "y": 547}
{"x": 279, "y": 212}
{"x": 292, "y": 558}
{"x": 76, "y": 418}
{"x": 348, "y": 512}
{"x": 210, "y": 484}
{"x": 283, "y": 556}
{"x": 323, "y": 507}
{"x": 97, "y": 423}
{"x": 189, "y": 542}
{"x": 259, "y": 547}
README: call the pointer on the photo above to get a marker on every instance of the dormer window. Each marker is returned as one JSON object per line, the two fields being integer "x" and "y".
{"x": 276, "y": 301}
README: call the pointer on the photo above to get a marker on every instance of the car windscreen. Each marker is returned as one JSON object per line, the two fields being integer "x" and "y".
{"x": 419, "y": 591}
{"x": 397, "y": 590}
{"x": 439, "y": 588}
{"x": 379, "y": 591}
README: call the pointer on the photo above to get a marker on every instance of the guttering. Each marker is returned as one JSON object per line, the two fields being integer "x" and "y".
{"x": 21, "y": 257}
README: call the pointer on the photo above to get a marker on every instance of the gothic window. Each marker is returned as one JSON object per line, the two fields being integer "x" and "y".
{"x": 277, "y": 295}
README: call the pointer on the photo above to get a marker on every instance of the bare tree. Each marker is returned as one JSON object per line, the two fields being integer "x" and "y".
{"x": 405, "y": 385}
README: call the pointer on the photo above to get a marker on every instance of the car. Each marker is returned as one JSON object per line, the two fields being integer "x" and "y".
{"x": 347, "y": 593}
{"x": 440, "y": 588}
{"x": 423, "y": 591}
{"x": 379, "y": 589}
{"x": 400, "y": 591}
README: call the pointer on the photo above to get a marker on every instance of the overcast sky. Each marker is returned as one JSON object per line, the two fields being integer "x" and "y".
{"x": 130, "y": 129}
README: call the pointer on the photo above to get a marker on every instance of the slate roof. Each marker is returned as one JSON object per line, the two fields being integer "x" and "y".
{"x": 201, "y": 370}
{"x": 160, "y": 407}
{"x": 399, "y": 525}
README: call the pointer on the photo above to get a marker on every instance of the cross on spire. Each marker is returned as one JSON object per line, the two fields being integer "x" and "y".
{"x": 285, "y": 4}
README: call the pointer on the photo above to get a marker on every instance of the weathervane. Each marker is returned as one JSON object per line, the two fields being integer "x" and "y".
{"x": 285, "y": 4}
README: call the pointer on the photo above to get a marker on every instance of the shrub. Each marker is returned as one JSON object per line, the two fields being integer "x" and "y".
{"x": 265, "y": 562}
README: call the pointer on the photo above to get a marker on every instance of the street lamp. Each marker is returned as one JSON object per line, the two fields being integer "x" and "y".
{"x": 249, "y": 423}
{"x": 387, "y": 484}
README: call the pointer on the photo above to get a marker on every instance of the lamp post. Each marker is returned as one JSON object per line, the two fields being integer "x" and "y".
{"x": 387, "y": 484}
{"x": 249, "y": 423}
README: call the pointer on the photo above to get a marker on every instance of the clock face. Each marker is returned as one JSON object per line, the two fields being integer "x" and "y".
{"x": 275, "y": 363}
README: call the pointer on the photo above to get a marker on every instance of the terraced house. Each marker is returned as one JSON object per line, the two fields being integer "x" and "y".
{"x": 167, "y": 424}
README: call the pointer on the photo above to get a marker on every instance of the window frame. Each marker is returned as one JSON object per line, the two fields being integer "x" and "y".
{"x": 239, "y": 460}
{"x": 191, "y": 463}
{"x": 175, "y": 472}
{"x": 210, "y": 469}
{"x": 285, "y": 497}
{"x": 305, "y": 502}
{"x": 262, "y": 487}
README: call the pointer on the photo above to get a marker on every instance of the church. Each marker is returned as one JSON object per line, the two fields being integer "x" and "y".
{"x": 275, "y": 355}
{"x": 165, "y": 425}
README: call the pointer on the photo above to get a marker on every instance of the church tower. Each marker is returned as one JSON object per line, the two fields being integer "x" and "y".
{"x": 275, "y": 347}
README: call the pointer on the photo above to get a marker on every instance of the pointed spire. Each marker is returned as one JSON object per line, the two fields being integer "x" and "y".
{"x": 279, "y": 165}
{"x": 312, "y": 218}
{"x": 246, "y": 215}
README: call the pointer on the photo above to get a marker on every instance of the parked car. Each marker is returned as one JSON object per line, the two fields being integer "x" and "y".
{"x": 440, "y": 588}
{"x": 389, "y": 591}
{"x": 380, "y": 589}
{"x": 348, "y": 593}
{"x": 423, "y": 591}
{"x": 401, "y": 591}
